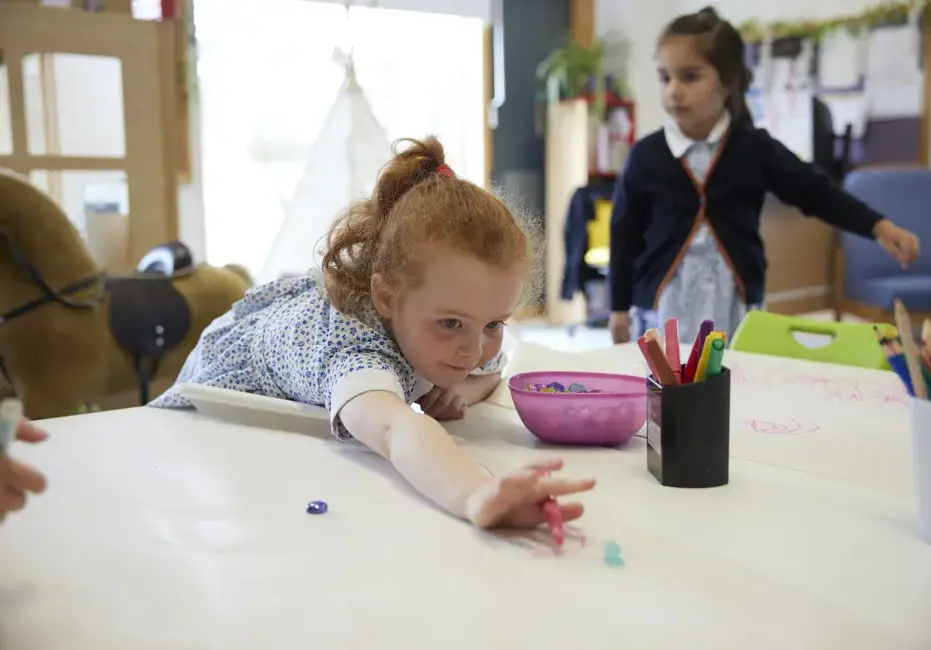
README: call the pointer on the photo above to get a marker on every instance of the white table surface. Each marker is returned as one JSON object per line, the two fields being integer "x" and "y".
{"x": 174, "y": 531}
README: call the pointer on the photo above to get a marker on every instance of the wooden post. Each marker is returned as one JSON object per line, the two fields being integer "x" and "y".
{"x": 582, "y": 21}
{"x": 50, "y": 126}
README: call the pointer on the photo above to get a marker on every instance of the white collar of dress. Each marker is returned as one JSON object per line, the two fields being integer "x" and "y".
{"x": 679, "y": 143}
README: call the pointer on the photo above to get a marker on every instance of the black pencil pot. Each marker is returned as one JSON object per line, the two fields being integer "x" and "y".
{"x": 689, "y": 431}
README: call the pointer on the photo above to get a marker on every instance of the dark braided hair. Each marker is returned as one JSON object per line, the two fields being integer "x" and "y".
{"x": 723, "y": 46}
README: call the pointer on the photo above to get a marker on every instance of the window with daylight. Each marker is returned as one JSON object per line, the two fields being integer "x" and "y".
{"x": 267, "y": 81}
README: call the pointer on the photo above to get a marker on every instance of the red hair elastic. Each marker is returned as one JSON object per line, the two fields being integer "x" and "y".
{"x": 445, "y": 170}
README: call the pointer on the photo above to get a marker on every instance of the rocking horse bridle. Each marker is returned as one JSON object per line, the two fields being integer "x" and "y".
{"x": 48, "y": 294}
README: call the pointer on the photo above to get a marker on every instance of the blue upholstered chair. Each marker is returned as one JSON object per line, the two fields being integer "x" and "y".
{"x": 869, "y": 279}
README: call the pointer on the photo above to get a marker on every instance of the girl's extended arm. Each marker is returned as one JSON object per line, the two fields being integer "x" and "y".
{"x": 809, "y": 189}
{"x": 420, "y": 450}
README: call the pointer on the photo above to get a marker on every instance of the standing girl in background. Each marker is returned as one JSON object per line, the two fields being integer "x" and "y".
{"x": 685, "y": 228}
{"x": 411, "y": 305}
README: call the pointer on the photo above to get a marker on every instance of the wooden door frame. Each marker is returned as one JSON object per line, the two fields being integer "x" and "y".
{"x": 581, "y": 30}
{"x": 582, "y": 21}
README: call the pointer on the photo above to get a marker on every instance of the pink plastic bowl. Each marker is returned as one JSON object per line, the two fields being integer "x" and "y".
{"x": 605, "y": 419}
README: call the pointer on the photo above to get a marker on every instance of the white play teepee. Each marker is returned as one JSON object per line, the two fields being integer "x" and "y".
{"x": 342, "y": 166}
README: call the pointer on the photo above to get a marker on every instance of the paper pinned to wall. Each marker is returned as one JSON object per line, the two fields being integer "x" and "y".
{"x": 783, "y": 102}
{"x": 842, "y": 59}
{"x": 762, "y": 69}
{"x": 788, "y": 116}
{"x": 848, "y": 108}
{"x": 894, "y": 82}
{"x": 895, "y": 101}
{"x": 802, "y": 76}
{"x": 784, "y": 75}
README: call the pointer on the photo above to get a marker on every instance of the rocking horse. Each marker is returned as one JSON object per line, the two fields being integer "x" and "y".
{"x": 71, "y": 334}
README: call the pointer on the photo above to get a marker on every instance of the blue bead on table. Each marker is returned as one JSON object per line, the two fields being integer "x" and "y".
{"x": 317, "y": 508}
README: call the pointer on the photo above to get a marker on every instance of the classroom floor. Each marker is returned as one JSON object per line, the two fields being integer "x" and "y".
{"x": 588, "y": 339}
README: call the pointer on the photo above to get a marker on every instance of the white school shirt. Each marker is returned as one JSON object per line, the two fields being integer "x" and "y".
{"x": 698, "y": 153}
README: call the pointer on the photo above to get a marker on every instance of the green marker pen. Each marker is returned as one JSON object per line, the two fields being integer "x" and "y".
{"x": 715, "y": 358}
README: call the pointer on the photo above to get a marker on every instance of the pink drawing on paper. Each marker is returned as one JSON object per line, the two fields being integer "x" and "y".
{"x": 546, "y": 547}
{"x": 792, "y": 427}
{"x": 883, "y": 389}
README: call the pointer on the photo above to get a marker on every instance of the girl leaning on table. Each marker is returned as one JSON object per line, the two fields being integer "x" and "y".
{"x": 416, "y": 286}
{"x": 685, "y": 228}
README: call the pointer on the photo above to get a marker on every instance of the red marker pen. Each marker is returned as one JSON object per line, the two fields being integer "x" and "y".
{"x": 554, "y": 520}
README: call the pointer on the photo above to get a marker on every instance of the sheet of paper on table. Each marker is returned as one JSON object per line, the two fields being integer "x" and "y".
{"x": 783, "y": 412}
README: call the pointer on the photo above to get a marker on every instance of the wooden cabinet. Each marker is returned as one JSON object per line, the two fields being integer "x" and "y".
{"x": 567, "y": 157}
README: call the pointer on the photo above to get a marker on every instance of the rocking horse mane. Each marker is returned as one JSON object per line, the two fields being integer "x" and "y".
{"x": 45, "y": 236}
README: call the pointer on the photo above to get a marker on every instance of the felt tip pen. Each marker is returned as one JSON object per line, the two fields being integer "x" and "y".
{"x": 554, "y": 520}
{"x": 900, "y": 367}
{"x": 703, "y": 331}
{"x": 671, "y": 340}
{"x": 910, "y": 349}
{"x": 642, "y": 343}
{"x": 705, "y": 353}
{"x": 11, "y": 412}
{"x": 659, "y": 364}
{"x": 715, "y": 358}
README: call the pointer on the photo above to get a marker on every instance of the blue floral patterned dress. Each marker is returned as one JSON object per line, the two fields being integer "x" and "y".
{"x": 285, "y": 339}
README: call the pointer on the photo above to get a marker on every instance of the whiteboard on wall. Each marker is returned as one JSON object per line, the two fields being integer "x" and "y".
{"x": 842, "y": 61}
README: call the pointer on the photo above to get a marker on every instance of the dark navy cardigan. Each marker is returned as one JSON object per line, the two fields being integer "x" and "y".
{"x": 657, "y": 207}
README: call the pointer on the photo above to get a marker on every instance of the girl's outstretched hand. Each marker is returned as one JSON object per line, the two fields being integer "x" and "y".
{"x": 516, "y": 500}
{"x": 898, "y": 242}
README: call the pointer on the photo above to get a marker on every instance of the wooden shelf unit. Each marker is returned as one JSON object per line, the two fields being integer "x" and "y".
{"x": 568, "y": 168}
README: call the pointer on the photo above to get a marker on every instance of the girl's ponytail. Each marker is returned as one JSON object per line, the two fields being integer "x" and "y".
{"x": 353, "y": 239}
{"x": 737, "y": 102}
